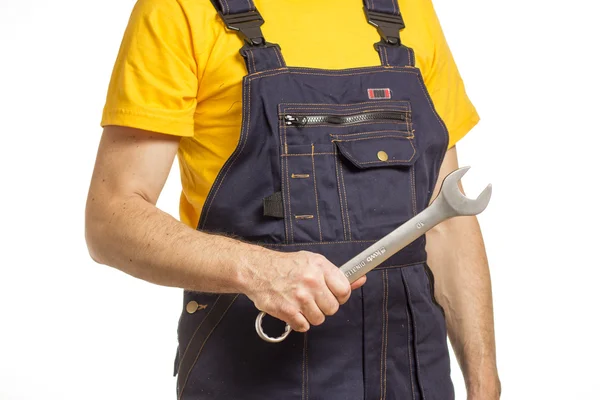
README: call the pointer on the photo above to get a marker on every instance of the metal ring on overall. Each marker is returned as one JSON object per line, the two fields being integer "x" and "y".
{"x": 264, "y": 336}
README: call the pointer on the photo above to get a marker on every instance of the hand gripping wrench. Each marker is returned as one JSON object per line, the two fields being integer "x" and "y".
{"x": 449, "y": 203}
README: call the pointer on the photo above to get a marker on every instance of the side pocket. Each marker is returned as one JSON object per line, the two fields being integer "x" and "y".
{"x": 431, "y": 279}
{"x": 200, "y": 336}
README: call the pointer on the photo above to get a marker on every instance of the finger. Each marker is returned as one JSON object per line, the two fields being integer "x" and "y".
{"x": 338, "y": 284}
{"x": 327, "y": 302}
{"x": 294, "y": 319}
{"x": 299, "y": 323}
{"x": 312, "y": 313}
{"x": 359, "y": 282}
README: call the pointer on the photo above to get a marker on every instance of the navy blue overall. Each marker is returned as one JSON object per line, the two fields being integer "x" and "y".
{"x": 328, "y": 161}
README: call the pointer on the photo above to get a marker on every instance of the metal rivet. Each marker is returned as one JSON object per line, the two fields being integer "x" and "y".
{"x": 382, "y": 155}
{"x": 192, "y": 307}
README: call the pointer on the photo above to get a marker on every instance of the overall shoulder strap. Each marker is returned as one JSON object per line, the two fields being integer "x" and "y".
{"x": 243, "y": 17}
{"x": 386, "y": 16}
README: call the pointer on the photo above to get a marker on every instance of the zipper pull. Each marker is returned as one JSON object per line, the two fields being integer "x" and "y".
{"x": 295, "y": 120}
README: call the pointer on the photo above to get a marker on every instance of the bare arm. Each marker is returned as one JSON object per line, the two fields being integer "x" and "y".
{"x": 456, "y": 255}
{"x": 125, "y": 229}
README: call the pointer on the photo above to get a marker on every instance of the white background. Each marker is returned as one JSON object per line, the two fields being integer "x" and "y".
{"x": 70, "y": 329}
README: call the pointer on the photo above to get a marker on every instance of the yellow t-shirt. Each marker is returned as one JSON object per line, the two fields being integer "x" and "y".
{"x": 179, "y": 72}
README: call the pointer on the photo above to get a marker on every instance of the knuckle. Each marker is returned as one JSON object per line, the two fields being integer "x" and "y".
{"x": 302, "y": 296}
{"x": 310, "y": 279}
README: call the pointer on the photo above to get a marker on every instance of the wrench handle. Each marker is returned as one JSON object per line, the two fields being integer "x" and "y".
{"x": 396, "y": 240}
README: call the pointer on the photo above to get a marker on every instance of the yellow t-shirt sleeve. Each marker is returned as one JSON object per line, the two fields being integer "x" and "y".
{"x": 446, "y": 87}
{"x": 154, "y": 82}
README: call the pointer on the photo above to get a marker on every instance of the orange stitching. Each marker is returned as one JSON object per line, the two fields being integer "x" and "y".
{"x": 285, "y": 221}
{"x": 203, "y": 344}
{"x": 353, "y": 125}
{"x": 345, "y": 198}
{"x": 300, "y": 176}
{"x": 387, "y": 289}
{"x": 244, "y": 137}
{"x": 369, "y": 133}
{"x": 291, "y": 224}
{"x": 349, "y": 110}
{"x": 400, "y": 266}
{"x": 337, "y": 177}
{"x": 223, "y": 7}
{"x": 253, "y": 60}
{"x": 413, "y": 189}
{"x": 289, "y": 199}
{"x": 399, "y": 137}
{"x": 305, "y": 372}
{"x": 305, "y": 154}
{"x": 377, "y": 162}
{"x": 374, "y": 70}
{"x": 409, "y": 336}
{"x": 382, "y": 336}
{"x": 316, "y": 195}
{"x": 366, "y": 103}
{"x": 281, "y": 64}
{"x": 196, "y": 331}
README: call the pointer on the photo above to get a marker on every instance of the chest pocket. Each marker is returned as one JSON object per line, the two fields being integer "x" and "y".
{"x": 347, "y": 170}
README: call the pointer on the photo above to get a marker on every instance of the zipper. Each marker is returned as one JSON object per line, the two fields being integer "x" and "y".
{"x": 303, "y": 120}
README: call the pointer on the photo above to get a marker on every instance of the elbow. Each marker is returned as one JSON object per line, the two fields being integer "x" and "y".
{"x": 95, "y": 234}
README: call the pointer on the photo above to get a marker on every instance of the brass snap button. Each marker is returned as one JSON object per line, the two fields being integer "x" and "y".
{"x": 192, "y": 307}
{"x": 382, "y": 155}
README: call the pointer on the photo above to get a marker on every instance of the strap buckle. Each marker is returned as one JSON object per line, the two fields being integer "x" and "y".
{"x": 248, "y": 24}
{"x": 388, "y": 25}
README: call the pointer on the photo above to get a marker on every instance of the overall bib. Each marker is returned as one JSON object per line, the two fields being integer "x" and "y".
{"x": 328, "y": 161}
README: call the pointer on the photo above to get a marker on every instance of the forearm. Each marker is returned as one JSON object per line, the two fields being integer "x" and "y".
{"x": 132, "y": 235}
{"x": 456, "y": 255}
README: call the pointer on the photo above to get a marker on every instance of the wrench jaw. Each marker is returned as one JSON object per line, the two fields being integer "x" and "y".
{"x": 457, "y": 201}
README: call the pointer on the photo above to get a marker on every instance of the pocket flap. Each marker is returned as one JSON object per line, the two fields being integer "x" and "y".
{"x": 377, "y": 150}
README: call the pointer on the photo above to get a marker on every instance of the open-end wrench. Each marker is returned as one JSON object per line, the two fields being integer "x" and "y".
{"x": 449, "y": 203}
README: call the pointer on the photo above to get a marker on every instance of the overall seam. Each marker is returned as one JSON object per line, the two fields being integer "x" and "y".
{"x": 382, "y": 105}
{"x": 384, "y": 337}
{"x": 225, "y": 7}
{"x": 202, "y": 347}
{"x": 288, "y": 71}
{"x": 356, "y": 124}
{"x": 282, "y": 164}
{"x": 307, "y": 154}
{"x": 253, "y": 60}
{"x": 287, "y": 182}
{"x": 243, "y": 138}
{"x": 409, "y": 335}
{"x": 196, "y": 331}
{"x": 316, "y": 194}
{"x": 415, "y": 339}
{"x": 279, "y": 58}
{"x": 377, "y": 137}
{"x": 305, "y": 369}
{"x": 413, "y": 189}
{"x": 337, "y": 176}
{"x": 377, "y": 162}
{"x": 343, "y": 135}
{"x": 345, "y": 197}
